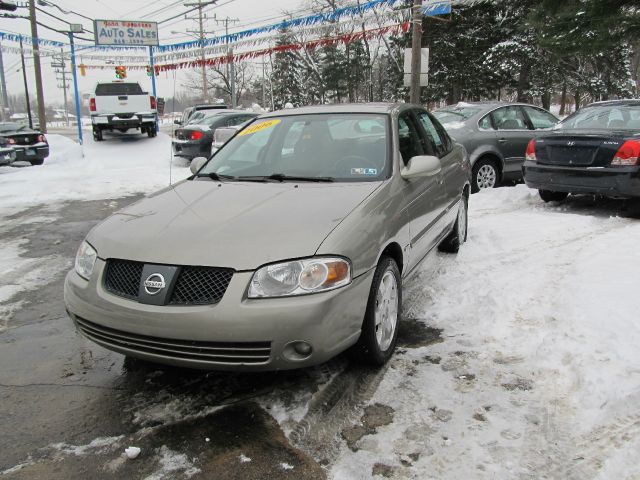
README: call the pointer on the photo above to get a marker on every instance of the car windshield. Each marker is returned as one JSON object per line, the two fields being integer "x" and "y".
{"x": 9, "y": 127}
{"x": 336, "y": 147}
{"x": 604, "y": 117}
{"x": 454, "y": 114}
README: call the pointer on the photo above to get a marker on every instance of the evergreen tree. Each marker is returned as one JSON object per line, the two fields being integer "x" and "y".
{"x": 286, "y": 75}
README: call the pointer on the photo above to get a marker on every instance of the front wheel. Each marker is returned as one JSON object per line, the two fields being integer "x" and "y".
{"x": 380, "y": 325}
{"x": 458, "y": 235}
{"x": 485, "y": 175}
{"x": 37, "y": 162}
{"x": 551, "y": 196}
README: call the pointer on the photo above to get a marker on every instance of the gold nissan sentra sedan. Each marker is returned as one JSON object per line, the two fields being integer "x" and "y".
{"x": 285, "y": 248}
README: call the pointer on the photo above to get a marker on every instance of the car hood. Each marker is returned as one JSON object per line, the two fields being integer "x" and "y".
{"x": 239, "y": 225}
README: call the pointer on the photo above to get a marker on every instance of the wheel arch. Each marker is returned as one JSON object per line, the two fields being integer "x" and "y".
{"x": 393, "y": 250}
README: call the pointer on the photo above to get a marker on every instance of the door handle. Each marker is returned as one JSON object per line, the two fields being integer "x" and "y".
{"x": 502, "y": 140}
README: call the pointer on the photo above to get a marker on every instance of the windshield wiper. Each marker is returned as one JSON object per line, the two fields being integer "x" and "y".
{"x": 281, "y": 177}
{"x": 217, "y": 176}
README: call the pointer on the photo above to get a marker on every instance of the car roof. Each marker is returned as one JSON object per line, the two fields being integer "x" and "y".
{"x": 380, "y": 107}
{"x": 632, "y": 102}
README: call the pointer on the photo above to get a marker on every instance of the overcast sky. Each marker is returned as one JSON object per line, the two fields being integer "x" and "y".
{"x": 251, "y": 13}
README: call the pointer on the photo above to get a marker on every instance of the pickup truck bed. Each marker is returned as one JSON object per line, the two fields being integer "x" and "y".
{"x": 122, "y": 106}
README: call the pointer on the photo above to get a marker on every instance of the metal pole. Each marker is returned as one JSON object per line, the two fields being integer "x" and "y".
{"x": 75, "y": 87}
{"x": 38, "y": 69}
{"x": 5, "y": 98}
{"x": 416, "y": 51}
{"x": 232, "y": 66}
{"x": 205, "y": 88}
{"x": 26, "y": 86}
{"x": 64, "y": 86}
{"x": 153, "y": 83}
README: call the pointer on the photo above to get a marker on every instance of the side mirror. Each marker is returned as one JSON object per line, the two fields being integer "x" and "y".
{"x": 421, "y": 166}
{"x": 197, "y": 163}
{"x": 177, "y": 122}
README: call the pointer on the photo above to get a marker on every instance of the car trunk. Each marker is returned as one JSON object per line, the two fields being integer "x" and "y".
{"x": 30, "y": 138}
{"x": 579, "y": 149}
{"x": 186, "y": 132}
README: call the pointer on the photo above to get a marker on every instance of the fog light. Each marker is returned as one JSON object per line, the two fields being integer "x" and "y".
{"x": 302, "y": 348}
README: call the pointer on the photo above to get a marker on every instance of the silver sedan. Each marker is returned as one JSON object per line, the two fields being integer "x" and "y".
{"x": 288, "y": 246}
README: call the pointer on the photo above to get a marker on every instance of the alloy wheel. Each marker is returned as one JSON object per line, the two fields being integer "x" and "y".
{"x": 386, "y": 313}
{"x": 486, "y": 177}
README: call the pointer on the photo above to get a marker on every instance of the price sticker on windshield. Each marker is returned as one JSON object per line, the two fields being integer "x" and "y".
{"x": 258, "y": 127}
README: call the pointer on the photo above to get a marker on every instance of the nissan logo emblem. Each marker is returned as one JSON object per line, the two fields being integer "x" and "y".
{"x": 154, "y": 283}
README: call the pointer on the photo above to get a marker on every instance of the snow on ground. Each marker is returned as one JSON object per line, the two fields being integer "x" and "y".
{"x": 122, "y": 165}
{"x": 538, "y": 375}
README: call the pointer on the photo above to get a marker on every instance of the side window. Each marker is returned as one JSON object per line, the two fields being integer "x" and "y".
{"x": 433, "y": 136}
{"x": 540, "y": 118}
{"x": 485, "y": 123}
{"x": 509, "y": 118}
{"x": 408, "y": 138}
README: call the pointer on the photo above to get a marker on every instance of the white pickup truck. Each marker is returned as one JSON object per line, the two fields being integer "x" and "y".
{"x": 121, "y": 105}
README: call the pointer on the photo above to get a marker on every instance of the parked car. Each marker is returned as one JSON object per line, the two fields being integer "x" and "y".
{"x": 196, "y": 139}
{"x": 595, "y": 150}
{"x": 29, "y": 145}
{"x": 189, "y": 111}
{"x": 122, "y": 106}
{"x": 7, "y": 152}
{"x": 496, "y": 135}
{"x": 223, "y": 134}
{"x": 286, "y": 257}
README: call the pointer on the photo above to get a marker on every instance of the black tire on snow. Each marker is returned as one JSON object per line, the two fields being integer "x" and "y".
{"x": 458, "y": 235}
{"x": 40, "y": 161}
{"x": 475, "y": 188}
{"x": 367, "y": 350}
{"x": 551, "y": 196}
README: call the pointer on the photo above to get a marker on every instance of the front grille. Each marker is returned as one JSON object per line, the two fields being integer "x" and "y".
{"x": 230, "y": 353}
{"x": 122, "y": 278}
{"x": 194, "y": 286}
{"x": 201, "y": 285}
{"x": 578, "y": 156}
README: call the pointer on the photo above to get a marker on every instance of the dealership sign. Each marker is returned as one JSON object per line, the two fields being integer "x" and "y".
{"x": 126, "y": 32}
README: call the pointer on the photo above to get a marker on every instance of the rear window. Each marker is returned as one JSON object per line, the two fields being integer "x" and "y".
{"x": 604, "y": 117}
{"x": 455, "y": 114}
{"x": 113, "y": 89}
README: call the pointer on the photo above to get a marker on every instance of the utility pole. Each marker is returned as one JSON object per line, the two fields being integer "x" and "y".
{"x": 62, "y": 66}
{"x": 416, "y": 52}
{"x": 201, "y": 4}
{"x": 231, "y": 71}
{"x": 36, "y": 64}
{"x": 75, "y": 87}
{"x": 26, "y": 86}
{"x": 5, "y": 97}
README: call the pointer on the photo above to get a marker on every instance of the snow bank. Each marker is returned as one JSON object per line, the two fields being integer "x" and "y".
{"x": 538, "y": 375}
{"x": 121, "y": 165}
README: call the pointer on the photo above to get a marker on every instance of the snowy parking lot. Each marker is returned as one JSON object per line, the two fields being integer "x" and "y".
{"x": 518, "y": 358}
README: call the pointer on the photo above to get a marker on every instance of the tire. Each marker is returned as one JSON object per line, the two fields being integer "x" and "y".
{"x": 633, "y": 207}
{"x": 551, "y": 196}
{"x": 458, "y": 235}
{"x": 37, "y": 162}
{"x": 485, "y": 175}
{"x": 97, "y": 134}
{"x": 151, "y": 132}
{"x": 375, "y": 346}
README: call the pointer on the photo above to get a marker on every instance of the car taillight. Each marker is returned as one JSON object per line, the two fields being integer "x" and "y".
{"x": 627, "y": 154}
{"x": 42, "y": 138}
{"x": 92, "y": 104}
{"x": 153, "y": 102}
{"x": 531, "y": 152}
{"x": 196, "y": 135}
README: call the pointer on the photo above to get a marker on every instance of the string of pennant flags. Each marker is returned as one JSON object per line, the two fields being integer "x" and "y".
{"x": 183, "y": 55}
{"x": 239, "y": 57}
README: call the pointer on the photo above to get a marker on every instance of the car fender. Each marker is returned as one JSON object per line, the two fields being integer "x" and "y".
{"x": 485, "y": 149}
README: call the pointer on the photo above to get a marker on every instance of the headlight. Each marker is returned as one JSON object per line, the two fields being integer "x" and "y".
{"x": 85, "y": 260}
{"x": 300, "y": 277}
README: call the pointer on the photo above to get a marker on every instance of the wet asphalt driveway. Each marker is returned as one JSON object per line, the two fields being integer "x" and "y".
{"x": 70, "y": 408}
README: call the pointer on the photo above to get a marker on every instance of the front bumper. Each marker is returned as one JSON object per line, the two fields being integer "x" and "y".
{"x": 607, "y": 181}
{"x": 330, "y": 322}
{"x": 7, "y": 156}
{"x": 189, "y": 149}
{"x": 26, "y": 153}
